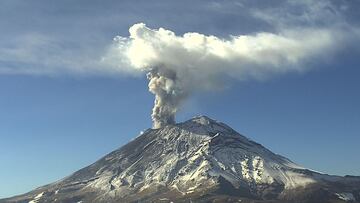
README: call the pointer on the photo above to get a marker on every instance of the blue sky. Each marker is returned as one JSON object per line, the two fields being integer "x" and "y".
{"x": 55, "y": 120}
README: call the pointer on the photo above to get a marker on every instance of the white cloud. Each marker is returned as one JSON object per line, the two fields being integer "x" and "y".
{"x": 277, "y": 37}
{"x": 305, "y": 13}
{"x": 180, "y": 65}
{"x": 39, "y": 54}
{"x": 194, "y": 55}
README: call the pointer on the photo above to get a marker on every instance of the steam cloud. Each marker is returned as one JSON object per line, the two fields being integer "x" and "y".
{"x": 177, "y": 66}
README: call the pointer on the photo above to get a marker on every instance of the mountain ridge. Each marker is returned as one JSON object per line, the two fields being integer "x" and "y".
{"x": 197, "y": 160}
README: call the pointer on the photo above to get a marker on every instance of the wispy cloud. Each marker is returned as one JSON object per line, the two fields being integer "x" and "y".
{"x": 62, "y": 39}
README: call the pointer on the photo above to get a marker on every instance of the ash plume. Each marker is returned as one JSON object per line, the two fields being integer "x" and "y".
{"x": 177, "y": 66}
{"x": 277, "y": 37}
{"x": 168, "y": 96}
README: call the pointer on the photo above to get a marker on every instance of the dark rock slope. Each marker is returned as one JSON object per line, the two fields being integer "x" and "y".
{"x": 200, "y": 160}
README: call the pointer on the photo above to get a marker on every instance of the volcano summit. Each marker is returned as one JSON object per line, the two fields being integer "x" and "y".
{"x": 200, "y": 160}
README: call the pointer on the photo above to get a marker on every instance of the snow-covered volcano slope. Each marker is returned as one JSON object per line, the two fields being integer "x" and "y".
{"x": 198, "y": 160}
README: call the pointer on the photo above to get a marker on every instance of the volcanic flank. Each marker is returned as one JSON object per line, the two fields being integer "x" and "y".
{"x": 200, "y": 160}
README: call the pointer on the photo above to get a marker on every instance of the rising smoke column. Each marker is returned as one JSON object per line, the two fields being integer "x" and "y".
{"x": 296, "y": 32}
{"x": 168, "y": 96}
{"x": 177, "y": 66}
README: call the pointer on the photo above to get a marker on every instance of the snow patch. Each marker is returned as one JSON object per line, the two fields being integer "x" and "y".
{"x": 297, "y": 180}
{"x": 37, "y": 198}
{"x": 346, "y": 196}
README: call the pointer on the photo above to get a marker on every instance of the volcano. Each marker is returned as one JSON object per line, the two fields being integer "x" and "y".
{"x": 199, "y": 160}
